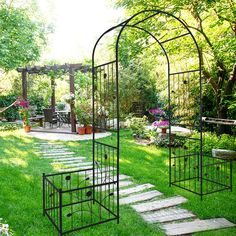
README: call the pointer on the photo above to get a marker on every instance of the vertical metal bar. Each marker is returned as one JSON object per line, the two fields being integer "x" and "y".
{"x": 93, "y": 123}
{"x": 43, "y": 194}
{"x": 60, "y": 213}
{"x": 231, "y": 175}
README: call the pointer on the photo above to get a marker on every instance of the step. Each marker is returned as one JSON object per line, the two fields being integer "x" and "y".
{"x": 53, "y": 151}
{"x": 101, "y": 171}
{"x": 114, "y": 186}
{"x": 60, "y": 157}
{"x": 136, "y": 189}
{"x": 159, "y": 204}
{"x": 99, "y": 180}
{"x": 196, "y": 226}
{"x": 79, "y": 164}
{"x": 59, "y": 160}
{"x": 75, "y": 168}
{"x": 46, "y": 146}
{"x": 67, "y": 162}
{"x": 167, "y": 215}
{"x": 56, "y": 154}
{"x": 140, "y": 197}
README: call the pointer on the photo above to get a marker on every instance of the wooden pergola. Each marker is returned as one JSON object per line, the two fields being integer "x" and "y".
{"x": 66, "y": 68}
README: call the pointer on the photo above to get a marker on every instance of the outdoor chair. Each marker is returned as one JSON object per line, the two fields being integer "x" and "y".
{"x": 49, "y": 117}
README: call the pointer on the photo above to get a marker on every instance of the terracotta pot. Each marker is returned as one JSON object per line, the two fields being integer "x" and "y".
{"x": 81, "y": 130}
{"x": 163, "y": 130}
{"x": 27, "y": 128}
{"x": 88, "y": 129}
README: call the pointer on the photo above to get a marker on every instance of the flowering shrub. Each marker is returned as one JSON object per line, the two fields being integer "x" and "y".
{"x": 23, "y": 110}
{"x": 161, "y": 124}
{"x": 156, "y": 111}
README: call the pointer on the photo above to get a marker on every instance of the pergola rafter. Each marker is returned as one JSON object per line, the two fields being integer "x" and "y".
{"x": 66, "y": 68}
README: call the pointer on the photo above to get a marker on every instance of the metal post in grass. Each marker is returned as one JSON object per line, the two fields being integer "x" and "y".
{"x": 60, "y": 213}
{"x": 43, "y": 194}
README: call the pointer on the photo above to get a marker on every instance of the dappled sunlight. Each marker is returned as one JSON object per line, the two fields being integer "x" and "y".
{"x": 28, "y": 178}
{"x": 125, "y": 161}
{"x": 15, "y": 162}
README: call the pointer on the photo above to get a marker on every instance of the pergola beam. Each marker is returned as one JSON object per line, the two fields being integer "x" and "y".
{"x": 46, "y": 68}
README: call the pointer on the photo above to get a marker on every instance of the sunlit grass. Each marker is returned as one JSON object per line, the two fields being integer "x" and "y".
{"x": 21, "y": 187}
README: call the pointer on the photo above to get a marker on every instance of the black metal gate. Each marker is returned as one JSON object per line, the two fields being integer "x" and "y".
{"x": 187, "y": 162}
{"x": 106, "y": 119}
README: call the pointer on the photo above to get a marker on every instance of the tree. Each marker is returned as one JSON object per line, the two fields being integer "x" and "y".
{"x": 22, "y": 37}
{"x": 214, "y": 25}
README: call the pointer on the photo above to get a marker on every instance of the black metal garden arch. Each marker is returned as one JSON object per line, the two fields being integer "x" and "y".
{"x": 189, "y": 167}
{"x": 83, "y": 198}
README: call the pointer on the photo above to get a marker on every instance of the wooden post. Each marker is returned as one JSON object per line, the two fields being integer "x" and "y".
{"x": 53, "y": 99}
{"x": 72, "y": 104}
{"x": 24, "y": 84}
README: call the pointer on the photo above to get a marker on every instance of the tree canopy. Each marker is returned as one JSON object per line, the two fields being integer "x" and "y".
{"x": 213, "y": 23}
{"x": 22, "y": 36}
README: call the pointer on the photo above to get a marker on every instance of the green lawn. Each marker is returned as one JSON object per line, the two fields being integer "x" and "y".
{"x": 20, "y": 188}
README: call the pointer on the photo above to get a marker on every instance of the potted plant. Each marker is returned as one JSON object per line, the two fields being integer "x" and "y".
{"x": 24, "y": 113}
{"x": 162, "y": 124}
{"x": 84, "y": 117}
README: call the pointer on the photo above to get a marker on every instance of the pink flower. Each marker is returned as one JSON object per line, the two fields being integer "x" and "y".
{"x": 162, "y": 123}
{"x": 156, "y": 111}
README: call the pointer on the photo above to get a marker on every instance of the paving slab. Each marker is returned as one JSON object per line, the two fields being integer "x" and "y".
{"x": 167, "y": 215}
{"x": 53, "y": 151}
{"x": 59, "y": 156}
{"x": 79, "y": 164}
{"x": 140, "y": 197}
{"x": 114, "y": 186}
{"x": 67, "y": 162}
{"x": 136, "y": 189}
{"x": 75, "y": 168}
{"x": 196, "y": 226}
{"x": 59, "y": 160}
{"x": 159, "y": 204}
{"x": 100, "y": 180}
{"x": 56, "y": 153}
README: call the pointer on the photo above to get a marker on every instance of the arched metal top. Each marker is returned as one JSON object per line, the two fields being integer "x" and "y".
{"x": 127, "y": 22}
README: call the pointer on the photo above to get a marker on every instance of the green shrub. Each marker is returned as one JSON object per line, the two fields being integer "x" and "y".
{"x": 212, "y": 141}
{"x": 4, "y": 126}
{"x": 163, "y": 141}
{"x": 10, "y": 114}
{"x": 137, "y": 126}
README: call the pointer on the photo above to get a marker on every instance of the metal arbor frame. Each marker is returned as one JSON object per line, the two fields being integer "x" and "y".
{"x": 187, "y": 163}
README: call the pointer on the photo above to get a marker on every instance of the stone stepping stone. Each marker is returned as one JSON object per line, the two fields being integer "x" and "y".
{"x": 122, "y": 184}
{"x": 167, "y": 215}
{"x": 59, "y": 156}
{"x": 75, "y": 168}
{"x": 135, "y": 189}
{"x": 56, "y": 154}
{"x": 99, "y": 180}
{"x": 196, "y": 226}
{"x": 79, "y": 164}
{"x": 140, "y": 197}
{"x": 159, "y": 204}
{"x": 51, "y": 146}
{"x": 53, "y": 151}
{"x": 68, "y": 162}
{"x": 101, "y": 171}
{"x": 59, "y": 160}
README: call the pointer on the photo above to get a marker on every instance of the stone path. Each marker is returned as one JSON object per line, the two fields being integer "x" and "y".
{"x": 150, "y": 204}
